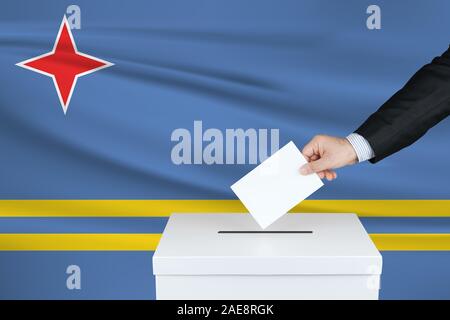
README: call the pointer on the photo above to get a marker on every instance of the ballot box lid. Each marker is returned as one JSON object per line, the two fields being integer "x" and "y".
{"x": 314, "y": 244}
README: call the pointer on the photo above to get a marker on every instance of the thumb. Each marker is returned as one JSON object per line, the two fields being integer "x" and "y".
{"x": 314, "y": 166}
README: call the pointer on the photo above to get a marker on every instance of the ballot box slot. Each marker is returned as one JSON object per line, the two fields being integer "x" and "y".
{"x": 264, "y": 231}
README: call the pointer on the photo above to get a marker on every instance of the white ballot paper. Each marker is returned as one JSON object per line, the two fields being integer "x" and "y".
{"x": 275, "y": 186}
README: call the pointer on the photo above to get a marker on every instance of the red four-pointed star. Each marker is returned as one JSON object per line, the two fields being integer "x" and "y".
{"x": 64, "y": 64}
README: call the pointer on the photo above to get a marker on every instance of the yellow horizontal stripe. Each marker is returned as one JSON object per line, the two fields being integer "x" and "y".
{"x": 162, "y": 208}
{"x": 78, "y": 242}
{"x": 412, "y": 242}
{"x": 149, "y": 242}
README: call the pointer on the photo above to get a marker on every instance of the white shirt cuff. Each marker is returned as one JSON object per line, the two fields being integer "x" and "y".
{"x": 362, "y": 147}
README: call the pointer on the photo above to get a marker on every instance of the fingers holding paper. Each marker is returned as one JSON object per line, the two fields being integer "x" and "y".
{"x": 326, "y": 153}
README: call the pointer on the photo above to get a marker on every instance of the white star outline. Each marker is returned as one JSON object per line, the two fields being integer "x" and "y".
{"x": 64, "y": 22}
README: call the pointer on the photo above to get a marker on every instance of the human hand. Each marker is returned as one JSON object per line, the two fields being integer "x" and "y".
{"x": 325, "y": 153}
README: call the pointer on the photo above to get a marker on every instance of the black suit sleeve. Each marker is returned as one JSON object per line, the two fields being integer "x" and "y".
{"x": 408, "y": 114}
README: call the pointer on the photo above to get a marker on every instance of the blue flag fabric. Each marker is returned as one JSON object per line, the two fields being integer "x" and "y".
{"x": 299, "y": 67}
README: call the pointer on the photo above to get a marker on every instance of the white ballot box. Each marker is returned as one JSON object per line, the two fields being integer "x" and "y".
{"x": 300, "y": 256}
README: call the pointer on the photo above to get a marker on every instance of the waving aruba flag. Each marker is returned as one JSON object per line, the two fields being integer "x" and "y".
{"x": 115, "y": 114}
